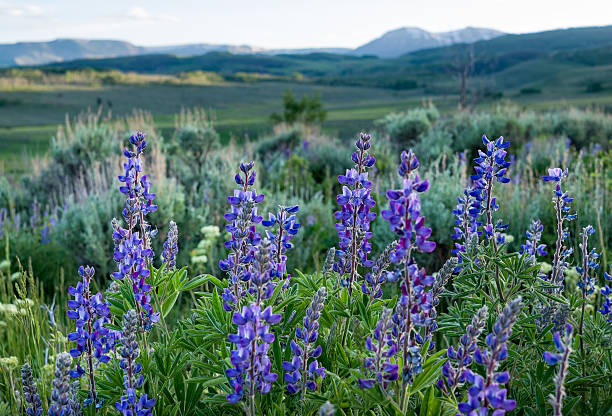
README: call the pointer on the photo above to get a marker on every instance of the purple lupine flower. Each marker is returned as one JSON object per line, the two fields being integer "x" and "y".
{"x": 244, "y": 239}
{"x": 491, "y": 166}
{"x": 130, "y": 404}
{"x": 404, "y": 213}
{"x": 461, "y": 359}
{"x": 91, "y": 336}
{"x": 411, "y": 313}
{"x": 286, "y": 227}
{"x": 355, "y": 214}
{"x": 133, "y": 252}
{"x": 467, "y": 225}
{"x": 586, "y": 283}
{"x": 170, "y": 247}
{"x": 484, "y": 394}
{"x": 30, "y": 392}
{"x": 61, "y": 386}
{"x": 374, "y": 279}
{"x": 383, "y": 346}
{"x": 439, "y": 283}
{"x": 564, "y": 349}
{"x": 262, "y": 270}
{"x": 302, "y": 372}
{"x": 251, "y": 365}
{"x": 606, "y": 304}
{"x": 562, "y": 203}
{"x": 532, "y": 246}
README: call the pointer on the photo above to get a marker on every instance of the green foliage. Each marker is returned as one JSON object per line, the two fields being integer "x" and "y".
{"x": 307, "y": 110}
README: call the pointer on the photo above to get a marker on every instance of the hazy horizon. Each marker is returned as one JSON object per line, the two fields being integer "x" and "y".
{"x": 288, "y": 25}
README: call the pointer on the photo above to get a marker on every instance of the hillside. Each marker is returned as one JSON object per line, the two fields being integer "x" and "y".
{"x": 391, "y": 44}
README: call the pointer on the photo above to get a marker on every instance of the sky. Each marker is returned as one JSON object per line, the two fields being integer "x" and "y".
{"x": 281, "y": 23}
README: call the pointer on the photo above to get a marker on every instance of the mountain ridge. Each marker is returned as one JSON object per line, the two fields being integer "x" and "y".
{"x": 390, "y": 44}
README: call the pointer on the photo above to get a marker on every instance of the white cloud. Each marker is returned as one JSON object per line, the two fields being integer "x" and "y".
{"x": 12, "y": 10}
{"x": 140, "y": 14}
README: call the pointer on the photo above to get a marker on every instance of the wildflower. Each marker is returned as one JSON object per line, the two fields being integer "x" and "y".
{"x": 532, "y": 245}
{"x": 91, "y": 336}
{"x": 130, "y": 404}
{"x": 133, "y": 252}
{"x": 491, "y": 166}
{"x": 327, "y": 409}
{"x": 383, "y": 345}
{"x": 354, "y": 215}
{"x": 286, "y": 228}
{"x": 606, "y": 306}
{"x": 60, "y": 398}
{"x": 244, "y": 239}
{"x": 299, "y": 369}
{"x": 261, "y": 272}
{"x": 489, "y": 393}
{"x": 404, "y": 213}
{"x": 374, "y": 279}
{"x": 30, "y": 392}
{"x": 251, "y": 365}
{"x": 171, "y": 246}
{"x": 75, "y": 404}
{"x": 466, "y": 222}
{"x": 439, "y": 283}
{"x": 564, "y": 348}
{"x": 461, "y": 359}
{"x": 586, "y": 282}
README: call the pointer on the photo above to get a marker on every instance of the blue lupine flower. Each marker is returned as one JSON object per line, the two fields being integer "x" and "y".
{"x": 60, "y": 398}
{"x": 404, "y": 213}
{"x": 586, "y": 283}
{"x": 244, "y": 239}
{"x": 286, "y": 227}
{"x": 384, "y": 348}
{"x": 481, "y": 395}
{"x": 491, "y": 166}
{"x": 133, "y": 252}
{"x": 460, "y": 359}
{"x": 606, "y": 305}
{"x": 355, "y": 214}
{"x": 564, "y": 349}
{"x": 130, "y": 404}
{"x": 251, "y": 365}
{"x": 301, "y": 371}
{"x": 171, "y": 247}
{"x": 91, "y": 336}
{"x": 532, "y": 245}
{"x": 30, "y": 392}
{"x": 374, "y": 279}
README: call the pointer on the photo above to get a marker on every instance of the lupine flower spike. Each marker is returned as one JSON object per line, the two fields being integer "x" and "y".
{"x": 130, "y": 404}
{"x": 244, "y": 239}
{"x": 564, "y": 349}
{"x": 301, "y": 371}
{"x": 355, "y": 214}
{"x": 251, "y": 365}
{"x": 327, "y": 409}
{"x": 171, "y": 247}
{"x": 133, "y": 252}
{"x": 405, "y": 220}
{"x": 553, "y": 312}
{"x": 383, "y": 347}
{"x": 30, "y": 392}
{"x": 460, "y": 359}
{"x": 93, "y": 339}
{"x": 606, "y": 305}
{"x": 490, "y": 394}
{"x": 286, "y": 227}
{"x": 532, "y": 246}
{"x": 586, "y": 282}
{"x": 60, "y": 394}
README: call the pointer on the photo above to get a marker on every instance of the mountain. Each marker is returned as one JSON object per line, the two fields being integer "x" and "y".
{"x": 60, "y": 50}
{"x": 391, "y": 44}
{"x": 404, "y": 40}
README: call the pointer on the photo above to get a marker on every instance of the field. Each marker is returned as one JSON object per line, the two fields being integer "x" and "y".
{"x": 172, "y": 250}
